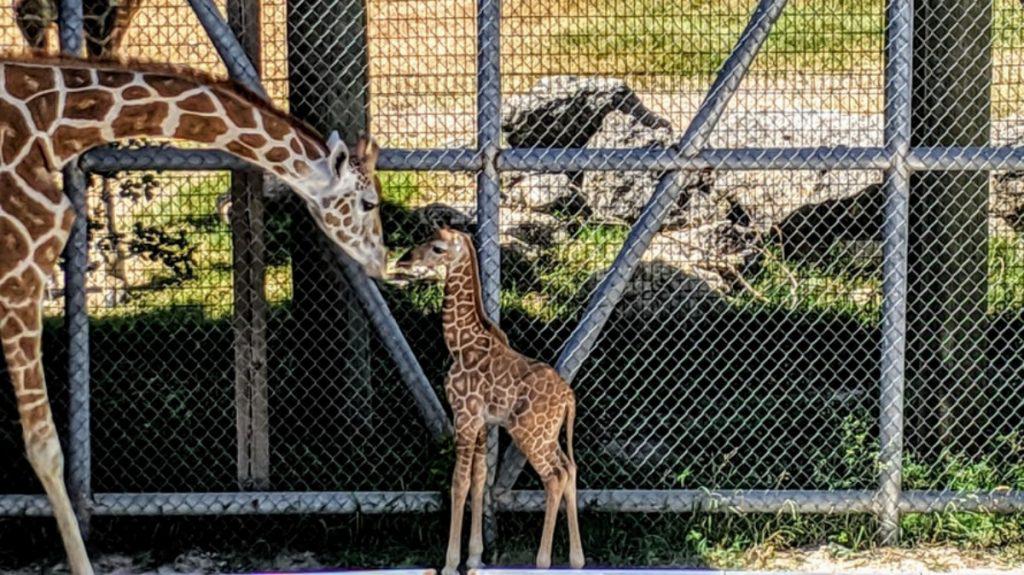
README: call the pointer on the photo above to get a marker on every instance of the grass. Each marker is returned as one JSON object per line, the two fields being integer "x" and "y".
{"x": 693, "y": 38}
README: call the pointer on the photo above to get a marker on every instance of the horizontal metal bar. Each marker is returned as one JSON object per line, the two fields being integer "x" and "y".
{"x": 265, "y": 503}
{"x": 965, "y": 158}
{"x": 683, "y": 501}
{"x": 988, "y": 501}
{"x": 637, "y": 501}
{"x": 577, "y": 159}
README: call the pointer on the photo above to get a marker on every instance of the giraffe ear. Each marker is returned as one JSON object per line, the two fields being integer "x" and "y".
{"x": 337, "y": 153}
{"x": 367, "y": 150}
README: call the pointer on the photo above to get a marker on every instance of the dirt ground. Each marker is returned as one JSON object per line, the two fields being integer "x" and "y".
{"x": 824, "y": 559}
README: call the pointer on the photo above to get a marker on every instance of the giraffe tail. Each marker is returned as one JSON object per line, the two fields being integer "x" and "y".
{"x": 570, "y": 418}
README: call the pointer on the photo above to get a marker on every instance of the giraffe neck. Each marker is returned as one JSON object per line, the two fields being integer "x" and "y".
{"x": 71, "y": 106}
{"x": 463, "y": 312}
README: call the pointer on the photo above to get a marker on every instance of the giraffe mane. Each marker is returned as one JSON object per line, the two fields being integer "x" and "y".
{"x": 478, "y": 300}
{"x": 31, "y": 57}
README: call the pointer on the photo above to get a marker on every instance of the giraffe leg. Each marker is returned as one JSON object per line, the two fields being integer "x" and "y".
{"x": 21, "y": 332}
{"x": 465, "y": 444}
{"x": 476, "y": 537}
{"x": 576, "y": 559}
{"x": 554, "y": 489}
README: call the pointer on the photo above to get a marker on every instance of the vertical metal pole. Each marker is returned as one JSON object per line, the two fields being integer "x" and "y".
{"x": 488, "y": 134}
{"x": 76, "y": 316}
{"x": 894, "y": 268}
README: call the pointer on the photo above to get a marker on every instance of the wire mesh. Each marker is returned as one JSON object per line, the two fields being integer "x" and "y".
{"x": 746, "y": 350}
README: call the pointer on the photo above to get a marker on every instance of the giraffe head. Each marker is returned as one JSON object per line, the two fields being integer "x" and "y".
{"x": 344, "y": 197}
{"x": 441, "y": 251}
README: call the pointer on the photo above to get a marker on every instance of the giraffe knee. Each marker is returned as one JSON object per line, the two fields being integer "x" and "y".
{"x": 45, "y": 454}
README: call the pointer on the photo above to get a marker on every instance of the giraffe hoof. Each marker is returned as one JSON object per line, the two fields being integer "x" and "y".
{"x": 543, "y": 563}
{"x": 577, "y": 561}
{"x": 474, "y": 563}
{"x": 450, "y": 571}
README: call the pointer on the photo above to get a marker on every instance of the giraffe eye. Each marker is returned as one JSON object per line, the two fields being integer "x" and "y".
{"x": 438, "y": 250}
{"x": 369, "y": 206}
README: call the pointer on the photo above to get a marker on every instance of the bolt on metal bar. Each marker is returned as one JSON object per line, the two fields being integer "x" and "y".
{"x": 239, "y": 66}
{"x": 895, "y": 232}
{"x": 609, "y": 290}
{"x": 76, "y": 313}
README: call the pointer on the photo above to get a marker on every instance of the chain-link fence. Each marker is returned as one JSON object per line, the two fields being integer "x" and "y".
{"x": 774, "y": 246}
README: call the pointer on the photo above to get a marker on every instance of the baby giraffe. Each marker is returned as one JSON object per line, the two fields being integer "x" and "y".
{"x": 491, "y": 383}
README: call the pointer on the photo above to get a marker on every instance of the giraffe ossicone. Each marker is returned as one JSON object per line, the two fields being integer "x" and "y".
{"x": 54, "y": 109}
{"x": 490, "y": 383}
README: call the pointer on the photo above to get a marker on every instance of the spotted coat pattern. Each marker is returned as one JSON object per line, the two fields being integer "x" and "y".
{"x": 53, "y": 110}
{"x": 491, "y": 383}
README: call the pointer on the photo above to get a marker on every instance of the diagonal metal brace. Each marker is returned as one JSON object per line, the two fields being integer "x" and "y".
{"x": 666, "y": 193}
{"x": 240, "y": 68}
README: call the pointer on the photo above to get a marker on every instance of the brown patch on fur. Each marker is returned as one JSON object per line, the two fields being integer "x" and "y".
{"x": 168, "y": 86}
{"x": 135, "y": 93}
{"x": 75, "y": 78}
{"x": 114, "y": 78}
{"x": 140, "y": 120}
{"x": 14, "y": 131}
{"x": 331, "y": 219}
{"x": 36, "y": 171}
{"x": 312, "y": 151}
{"x": 295, "y": 145}
{"x": 23, "y": 81}
{"x": 226, "y": 89}
{"x": 240, "y": 150}
{"x": 280, "y": 171}
{"x": 238, "y": 112}
{"x": 88, "y": 105}
{"x": 301, "y": 168}
{"x": 24, "y": 288}
{"x": 68, "y": 141}
{"x": 200, "y": 103}
{"x": 36, "y": 218}
{"x": 276, "y": 127}
{"x": 14, "y": 247}
{"x": 43, "y": 109}
{"x": 253, "y": 140}
{"x": 205, "y": 129}
{"x": 47, "y": 253}
{"x": 278, "y": 154}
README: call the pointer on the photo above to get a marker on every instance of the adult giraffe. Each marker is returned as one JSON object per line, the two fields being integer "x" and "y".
{"x": 51, "y": 111}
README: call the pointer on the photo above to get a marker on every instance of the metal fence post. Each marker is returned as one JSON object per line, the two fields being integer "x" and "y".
{"x": 488, "y": 133}
{"x": 76, "y": 315}
{"x": 894, "y": 267}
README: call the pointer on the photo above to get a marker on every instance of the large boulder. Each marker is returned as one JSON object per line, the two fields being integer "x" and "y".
{"x": 566, "y": 111}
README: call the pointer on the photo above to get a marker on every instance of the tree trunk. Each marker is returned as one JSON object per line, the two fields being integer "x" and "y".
{"x": 948, "y": 271}
{"x": 328, "y": 88}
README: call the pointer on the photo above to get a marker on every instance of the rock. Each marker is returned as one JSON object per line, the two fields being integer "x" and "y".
{"x": 539, "y": 192}
{"x": 614, "y": 196}
{"x": 566, "y": 111}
